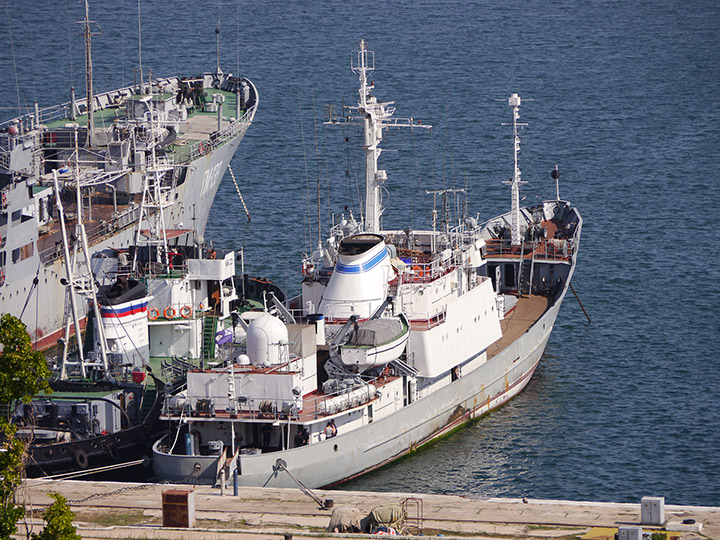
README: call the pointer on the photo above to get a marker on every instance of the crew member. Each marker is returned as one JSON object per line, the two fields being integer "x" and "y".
{"x": 302, "y": 437}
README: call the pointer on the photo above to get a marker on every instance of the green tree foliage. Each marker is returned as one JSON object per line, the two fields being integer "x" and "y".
{"x": 11, "y": 474}
{"x": 23, "y": 371}
{"x": 58, "y": 521}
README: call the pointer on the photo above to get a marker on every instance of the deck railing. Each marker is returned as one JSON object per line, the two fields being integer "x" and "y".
{"x": 97, "y": 232}
{"x": 261, "y": 407}
{"x": 551, "y": 249}
{"x": 191, "y": 152}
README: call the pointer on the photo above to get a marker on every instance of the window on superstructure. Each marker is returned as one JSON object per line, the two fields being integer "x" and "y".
{"x": 22, "y": 253}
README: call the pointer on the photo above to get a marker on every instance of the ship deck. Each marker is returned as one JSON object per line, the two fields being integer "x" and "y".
{"x": 197, "y": 128}
{"x": 525, "y": 313}
{"x": 308, "y": 414}
{"x": 547, "y": 249}
{"x": 97, "y": 228}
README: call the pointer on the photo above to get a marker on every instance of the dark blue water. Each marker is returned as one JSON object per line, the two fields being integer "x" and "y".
{"x": 626, "y": 101}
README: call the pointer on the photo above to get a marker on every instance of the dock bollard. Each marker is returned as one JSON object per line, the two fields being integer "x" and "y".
{"x": 236, "y": 483}
{"x": 222, "y": 482}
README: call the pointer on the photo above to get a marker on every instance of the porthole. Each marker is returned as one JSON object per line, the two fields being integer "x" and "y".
{"x": 335, "y": 447}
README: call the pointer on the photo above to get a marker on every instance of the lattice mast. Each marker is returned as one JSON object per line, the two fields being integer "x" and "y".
{"x": 78, "y": 281}
{"x": 154, "y": 200}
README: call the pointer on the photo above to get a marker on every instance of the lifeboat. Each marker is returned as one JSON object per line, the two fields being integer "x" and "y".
{"x": 375, "y": 342}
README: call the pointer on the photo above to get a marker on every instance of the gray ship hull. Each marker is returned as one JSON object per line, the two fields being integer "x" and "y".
{"x": 385, "y": 440}
{"x": 30, "y": 279}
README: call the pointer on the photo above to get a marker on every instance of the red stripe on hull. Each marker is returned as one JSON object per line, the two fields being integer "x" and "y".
{"x": 50, "y": 340}
{"x": 111, "y": 314}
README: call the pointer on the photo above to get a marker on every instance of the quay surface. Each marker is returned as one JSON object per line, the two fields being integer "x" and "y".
{"x": 125, "y": 511}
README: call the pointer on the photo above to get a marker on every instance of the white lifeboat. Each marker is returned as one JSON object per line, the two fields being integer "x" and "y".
{"x": 375, "y": 343}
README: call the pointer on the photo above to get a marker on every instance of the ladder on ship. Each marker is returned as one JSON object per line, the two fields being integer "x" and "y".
{"x": 526, "y": 274}
{"x": 148, "y": 400}
{"x": 209, "y": 330}
{"x": 404, "y": 368}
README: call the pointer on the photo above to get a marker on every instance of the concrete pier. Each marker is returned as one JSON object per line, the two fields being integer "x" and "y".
{"x": 124, "y": 511}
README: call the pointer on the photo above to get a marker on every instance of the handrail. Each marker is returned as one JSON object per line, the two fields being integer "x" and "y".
{"x": 201, "y": 148}
{"x": 273, "y": 408}
{"x": 549, "y": 249}
{"x": 428, "y": 323}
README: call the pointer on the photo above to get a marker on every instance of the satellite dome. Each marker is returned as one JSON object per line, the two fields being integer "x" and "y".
{"x": 267, "y": 339}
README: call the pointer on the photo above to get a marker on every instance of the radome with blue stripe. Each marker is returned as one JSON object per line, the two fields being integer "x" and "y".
{"x": 361, "y": 267}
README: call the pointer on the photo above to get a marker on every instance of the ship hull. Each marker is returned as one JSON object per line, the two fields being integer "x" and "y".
{"x": 378, "y": 443}
{"x": 33, "y": 291}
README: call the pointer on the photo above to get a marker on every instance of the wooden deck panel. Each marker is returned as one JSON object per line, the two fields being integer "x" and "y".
{"x": 517, "y": 322}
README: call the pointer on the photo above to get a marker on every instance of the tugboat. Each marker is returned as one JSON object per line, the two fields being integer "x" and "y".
{"x": 398, "y": 337}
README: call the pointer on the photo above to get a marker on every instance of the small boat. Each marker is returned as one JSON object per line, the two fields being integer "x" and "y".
{"x": 375, "y": 343}
{"x": 85, "y": 424}
{"x": 398, "y": 337}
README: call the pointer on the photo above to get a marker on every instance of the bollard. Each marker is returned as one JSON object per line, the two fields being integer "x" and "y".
{"x": 236, "y": 483}
{"x": 222, "y": 482}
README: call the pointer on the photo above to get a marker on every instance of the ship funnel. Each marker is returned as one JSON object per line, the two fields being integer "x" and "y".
{"x": 124, "y": 313}
{"x": 359, "y": 282}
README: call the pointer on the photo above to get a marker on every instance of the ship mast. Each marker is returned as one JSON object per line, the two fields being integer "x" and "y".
{"x": 218, "y": 71}
{"x": 515, "y": 182}
{"x": 373, "y": 114}
{"x": 375, "y": 117}
{"x": 89, "y": 74}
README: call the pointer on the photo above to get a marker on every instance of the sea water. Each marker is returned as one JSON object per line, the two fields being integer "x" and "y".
{"x": 623, "y": 96}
